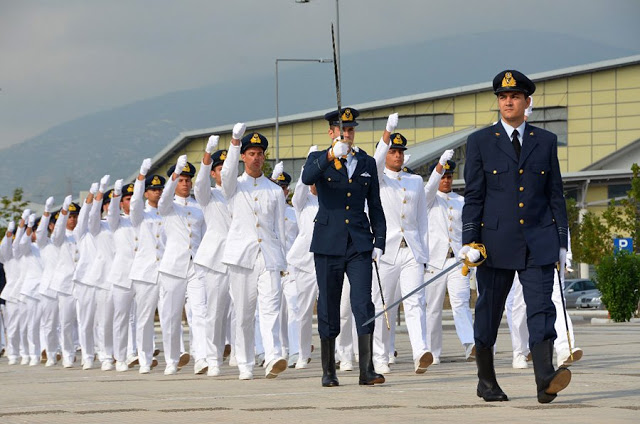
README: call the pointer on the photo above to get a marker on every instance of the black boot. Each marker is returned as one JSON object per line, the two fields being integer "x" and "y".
{"x": 549, "y": 381}
{"x": 488, "y": 388}
{"x": 368, "y": 376}
{"x": 328, "y": 356}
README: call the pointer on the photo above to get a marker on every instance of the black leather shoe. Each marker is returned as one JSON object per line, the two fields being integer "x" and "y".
{"x": 549, "y": 381}
{"x": 368, "y": 376}
{"x": 488, "y": 388}
{"x": 328, "y": 357}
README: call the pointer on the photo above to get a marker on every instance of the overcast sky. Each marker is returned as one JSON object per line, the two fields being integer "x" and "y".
{"x": 60, "y": 60}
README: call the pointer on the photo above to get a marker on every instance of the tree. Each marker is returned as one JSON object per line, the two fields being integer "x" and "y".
{"x": 590, "y": 237}
{"x": 623, "y": 217}
{"x": 11, "y": 208}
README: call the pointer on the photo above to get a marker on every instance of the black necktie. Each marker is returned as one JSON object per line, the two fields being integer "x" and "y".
{"x": 343, "y": 161}
{"x": 516, "y": 143}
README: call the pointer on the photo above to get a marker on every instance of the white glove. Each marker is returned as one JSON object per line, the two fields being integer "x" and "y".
{"x": 238, "y": 131}
{"x": 277, "y": 170}
{"x": 568, "y": 263}
{"x": 312, "y": 149}
{"x": 340, "y": 148}
{"x": 12, "y": 227}
{"x": 25, "y": 214}
{"x": 212, "y": 144}
{"x": 392, "y": 122}
{"x": 48, "y": 204}
{"x": 528, "y": 111}
{"x": 67, "y": 202}
{"x": 446, "y": 156}
{"x": 104, "y": 182}
{"x": 562, "y": 260}
{"x": 376, "y": 254}
{"x": 32, "y": 220}
{"x": 145, "y": 166}
{"x": 94, "y": 189}
{"x": 469, "y": 253}
{"x": 406, "y": 159}
{"x": 117, "y": 188}
{"x": 180, "y": 163}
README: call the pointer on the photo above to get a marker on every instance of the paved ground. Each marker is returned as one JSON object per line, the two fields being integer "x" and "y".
{"x": 605, "y": 388}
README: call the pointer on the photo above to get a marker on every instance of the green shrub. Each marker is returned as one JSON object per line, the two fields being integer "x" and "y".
{"x": 618, "y": 278}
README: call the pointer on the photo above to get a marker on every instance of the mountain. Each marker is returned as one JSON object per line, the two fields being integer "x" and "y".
{"x": 68, "y": 157}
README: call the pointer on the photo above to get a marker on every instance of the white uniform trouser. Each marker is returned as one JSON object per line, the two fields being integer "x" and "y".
{"x": 3, "y": 315}
{"x": 517, "y": 319}
{"x": 172, "y": 297}
{"x": 122, "y": 304}
{"x": 23, "y": 316}
{"x": 459, "y": 294}
{"x": 68, "y": 316}
{"x": 104, "y": 322}
{"x": 307, "y": 286}
{"x": 289, "y": 316}
{"x": 132, "y": 340}
{"x": 251, "y": 288}
{"x": 408, "y": 274}
{"x": 146, "y": 302}
{"x": 49, "y": 323}
{"x": 218, "y": 302}
{"x": 33, "y": 327}
{"x": 85, "y": 296}
{"x": 12, "y": 317}
{"x": 345, "y": 348}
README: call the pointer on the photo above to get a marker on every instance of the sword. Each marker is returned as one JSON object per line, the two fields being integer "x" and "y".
{"x": 336, "y": 161}
{"x": 420, "y": 287}
{"x": 384, "y": 307}
{"x": 564, "y": 310}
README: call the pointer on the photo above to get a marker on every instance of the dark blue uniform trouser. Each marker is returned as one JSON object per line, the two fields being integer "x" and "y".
{"x": 493, "y": 288}
{"x": 330, "y": 272}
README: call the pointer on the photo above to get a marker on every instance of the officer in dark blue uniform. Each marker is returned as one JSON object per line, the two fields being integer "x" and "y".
{"x": 343, "y": 242}
{"x": 514, "y": 205}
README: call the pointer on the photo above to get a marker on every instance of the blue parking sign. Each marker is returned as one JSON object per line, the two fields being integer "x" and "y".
{"x": 622, "y": 244}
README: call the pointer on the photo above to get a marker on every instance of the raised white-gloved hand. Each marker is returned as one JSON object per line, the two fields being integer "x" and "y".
{"x": 11, "y": 228}
{"x": 446, "y": 156}
{"x": 312, "y": 149}
{"x": 180, "y": 163}
{"x": 48, "y": 204}
{"x": 238, "y": 130}
{"x": 32, "y": 220}
{"x": 469, "y": 253}
{"x": 568, "y": 263}
{"x": 392, "y": 122}
{"x": 25, "y": 214}
{"x": 407, "y": 157}
{"x": 277, "y": 170}
{"x": 562, "y": 260}
{"x": 104, "y": 182}
{"x": 117, "y": 188}
{"x": 145, "y": 166}
{"x": 67, "y": 202}
{"x": 212, "y": 144}
{"x": 528, "y": 111}
{"x": 94, "y": 188}
{"x": 340, "y": 148}
{"x": 376, "y": 254}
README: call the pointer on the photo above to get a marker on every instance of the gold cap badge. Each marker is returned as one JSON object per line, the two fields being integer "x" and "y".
{"x": 447, "y": 166}
{"x": 155, "y": 180}
{"x": 255, "y": 139}
{"x": 186, "y": 168}
{"x": 130, "y": 189}
{"x": 223, "y": 155}
{"x": 72, "y": 208}
{"x": 397, "y": 139}
{"x": 280, "y": 177}
{"x": 508, "y": 80}
{"x": 347, "y": 116}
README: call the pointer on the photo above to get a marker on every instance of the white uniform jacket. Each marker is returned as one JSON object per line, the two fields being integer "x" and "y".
{"x": 86, "y": 247}
{"x": 9, "y": 263}
{"x": 445, "y": 220}
{"x": 305, "y": 205}
{"x": 105, "y": 250}
{"x": 404, "y": 204}
{"x": 150, "y": 239}
{"x": 32, "y": 264}
{"x": 49, "y": 255}
{"x": 183, "y": 225}
{"x": 69, "y": 254}
{"x": 257, "y": 210}
{"x": 124, "y": 241}
{"x": 217, "y": 218}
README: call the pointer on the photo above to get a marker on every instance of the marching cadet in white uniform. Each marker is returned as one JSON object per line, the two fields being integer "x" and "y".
{"x": 406, "y": 252}
{"x": 254, "y": 251}
{"x": 209, "y": 256}
{"x": 445, "y": 221}
{"x": 23, "y": 310}
{"x": 64, "y": 237}
{"x": 289, "y": 312}
{"x": 12, "y": 315}
{"x": 184, "y": 227}
{"x": 149, "y": 250}
{"x": 49, "y": 320}
{"x": 302, "y": 266}
{"x": 124, "y": 235}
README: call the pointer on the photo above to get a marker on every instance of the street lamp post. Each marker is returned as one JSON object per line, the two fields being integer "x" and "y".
{"x": 278, "y": 99}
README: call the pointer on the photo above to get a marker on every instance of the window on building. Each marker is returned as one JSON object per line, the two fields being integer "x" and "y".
{"x": 408, "y": 122}
{"x": 552, "y": 119}
{"x": 617, "y": 190}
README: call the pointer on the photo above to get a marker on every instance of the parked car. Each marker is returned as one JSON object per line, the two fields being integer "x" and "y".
{"x": 590, "y": 301}
{"x": 574, "y": 288}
